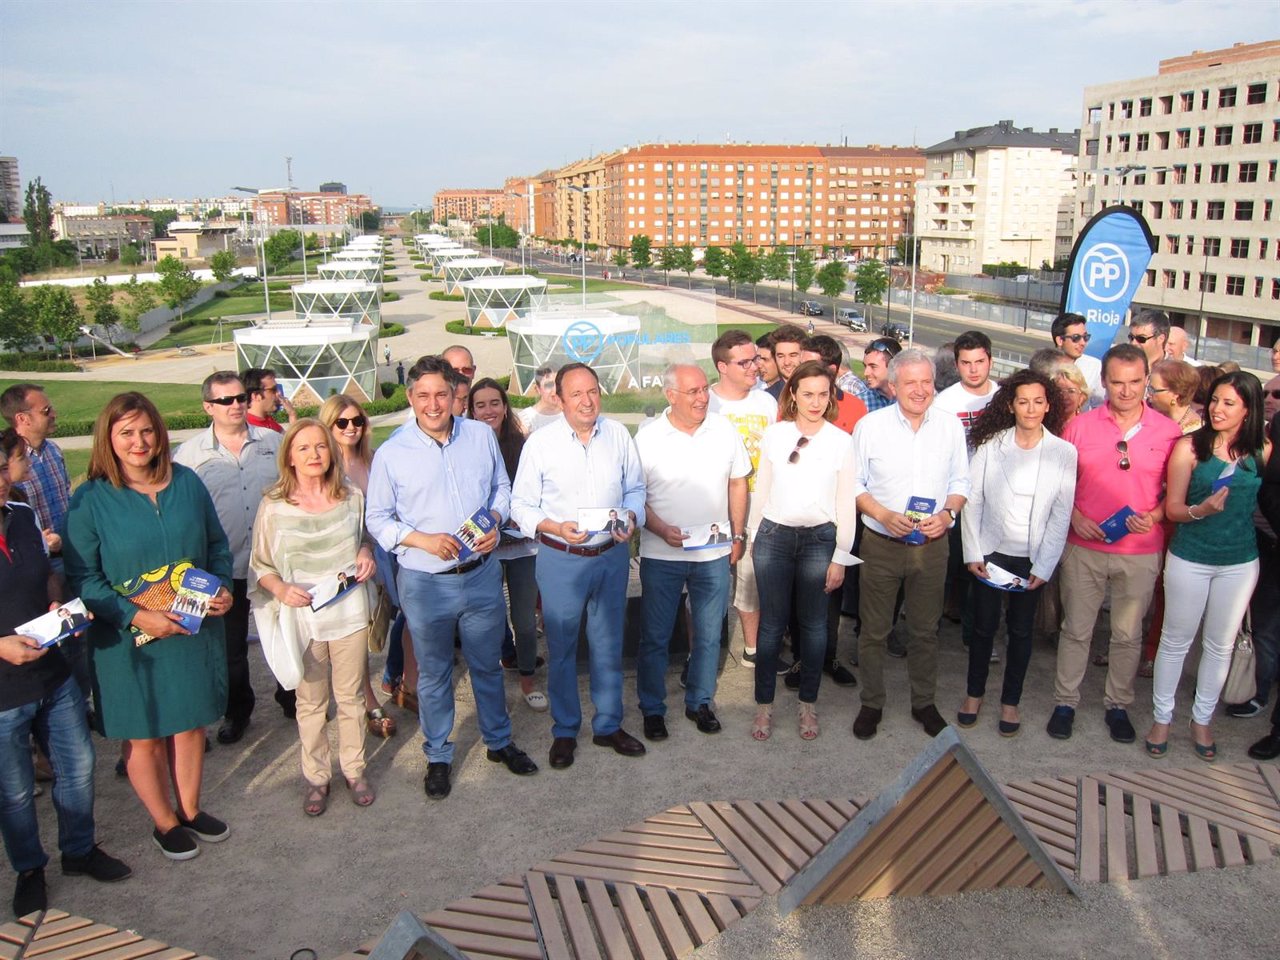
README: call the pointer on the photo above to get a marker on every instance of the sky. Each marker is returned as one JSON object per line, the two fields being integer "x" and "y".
{"x": 124, "y": 99}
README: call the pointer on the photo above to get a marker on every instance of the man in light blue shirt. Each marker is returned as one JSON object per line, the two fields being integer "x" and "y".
{"x": 581, "y": 462}
{"x": 431, "y": 475}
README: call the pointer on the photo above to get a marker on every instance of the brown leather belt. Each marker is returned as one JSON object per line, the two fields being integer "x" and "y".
{"x": 576, "y": 551}
{"x": 463, "y": 568}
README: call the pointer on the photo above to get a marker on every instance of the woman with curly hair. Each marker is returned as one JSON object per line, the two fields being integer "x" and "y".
{"x": 1023, "y": 485}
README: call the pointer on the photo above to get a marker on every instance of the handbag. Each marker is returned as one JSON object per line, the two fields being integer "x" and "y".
{"x": 379, "y": 616}
{"x": 1242, "y": 681}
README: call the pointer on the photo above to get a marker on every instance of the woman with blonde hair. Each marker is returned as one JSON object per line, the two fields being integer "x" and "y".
{"x": 156, "y": 685}
{"x": 309, "y": 529}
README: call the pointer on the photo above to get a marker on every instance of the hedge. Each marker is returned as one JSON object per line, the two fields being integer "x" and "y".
{"x": 390, "y": 297}
{"x": 35, "y": 363}
{"x": 441, "y": 295}
{"x": 391, "y": 329}
{"x": 427, "y": 277}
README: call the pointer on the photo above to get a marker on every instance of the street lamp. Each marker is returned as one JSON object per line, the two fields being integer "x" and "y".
{"x": 266, "y": 291}
{"x": 517, "y": 196}
{"x": 583, "y": 222}
{"x": 1026, "y": 295}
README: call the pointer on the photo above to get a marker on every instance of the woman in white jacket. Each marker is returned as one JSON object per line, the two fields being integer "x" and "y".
{"x": 1015, "y": 521}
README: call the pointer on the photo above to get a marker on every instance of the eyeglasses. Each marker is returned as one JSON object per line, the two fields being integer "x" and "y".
{"x": 694, "y": 392}
{"x": 1140, "y": 338}
{"x": 43, "y": 411}
{"x": 1122, "y": 448}
{"x": 231, "y": 400}
{"x": 750, "y": 362}
{"x": 795, "y": 454}
{"x": 1078, "y": 337}
{"x": 1151, "y": 389}
{"x": 343, "y": 422}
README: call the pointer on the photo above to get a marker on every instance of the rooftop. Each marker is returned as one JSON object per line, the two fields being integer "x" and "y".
{"x": 1005, "y": 134}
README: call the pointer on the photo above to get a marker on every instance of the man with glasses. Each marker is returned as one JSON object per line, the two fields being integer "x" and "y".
{"x": 460, "y": 358}
{"x": 237, "y": 464}
{"x": 547, "y": 409}
{"x": 750, "y": 410}
{"x": 1071, "y": 335}
{"x": 1149, "y": 332}
{"x": 785, "y": 341}
{"x": 265, "y": 398}
{"x": 875, "y": 389}
{"x": 1122, "y": 450}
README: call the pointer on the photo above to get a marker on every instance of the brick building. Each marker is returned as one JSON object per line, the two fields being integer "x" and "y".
{"x": 468, "y": 205}
{"x": 282, "y": 207}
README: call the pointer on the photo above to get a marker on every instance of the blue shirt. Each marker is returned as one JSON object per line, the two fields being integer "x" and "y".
{"x": 417, "y": 483}
{"x": 49, "y": 489}
{"x": 874, "y": 399}
{"x": 558, "y": 476}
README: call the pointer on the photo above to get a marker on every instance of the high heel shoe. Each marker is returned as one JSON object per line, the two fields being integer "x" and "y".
{"x": 762, "y": 725}
{"x": 1206, "y": 752}
{"x": 808, "y": 721}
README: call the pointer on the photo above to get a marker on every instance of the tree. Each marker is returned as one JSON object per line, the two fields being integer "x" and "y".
{"x": 685, "y": 262}
{"x": 312, "y": 242}
{"x": 279, "y": 248}
{"x": 668, "y": 260}
{"x": 777, "y": 267}
{"x": 872, "y": 281}
{"x": 177, "y": 284}
{"x": 804, "y": 269}
{"x": 620, "y": 259}
{"x": 503, "y": 237}
{"x": 642, "y": 253}
{"x": 371, "y": 220}
{"x": 744, "y": 267}
{"x": 223, "y": 264}
{"x": 17, "y": 328}
{"x": 907, "y": 250}
{"x": 713, "y": 262}
{"x": 214, "y": 213}
{"x": 831, "y": 280}
{"x": 130, "y": 255}
{"x": 56, "y": 314}
{"x": 141, "y": 300}
{"x": 37, "y": 214}
{"x": 100, "y": 297}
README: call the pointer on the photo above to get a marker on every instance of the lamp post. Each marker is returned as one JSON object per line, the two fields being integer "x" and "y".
{"x": 262, "y": 241}
{"x": 583, "y": 223}
{"x": 1026, "y": 294}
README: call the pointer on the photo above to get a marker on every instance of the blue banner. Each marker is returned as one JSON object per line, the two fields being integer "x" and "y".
{"x": 1107, "y": 263}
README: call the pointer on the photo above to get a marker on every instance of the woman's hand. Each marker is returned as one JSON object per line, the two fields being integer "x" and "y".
{"x": 292, "y": 595}
{"x": 835, "y": 577}
{"x": 366, "y": 567}
{"x": 979, "y": 570}
{"x": 221, "y": 602}
{"x": 159, "y": 623}
{"x": 19, "y": 650}
{"x": 1214, "y": 503}
{"x": 52, "y": 542}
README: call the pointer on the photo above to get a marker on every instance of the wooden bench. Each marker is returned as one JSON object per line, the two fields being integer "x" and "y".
{"x": 57, "y": 935}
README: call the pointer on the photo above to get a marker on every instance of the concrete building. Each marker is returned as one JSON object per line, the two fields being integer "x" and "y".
{"x": 10, "y": 188}
{"x": 296, "y": 208}
{"x": 1195, "y": 149}
{"x": 13, "y": 235}
{"x": 195, "y": 239}
{"x": 95, "y": 234}
{"x": 518, "y": 203}
{"x": 997, "y": 194}
{"x": 469, "y": 205}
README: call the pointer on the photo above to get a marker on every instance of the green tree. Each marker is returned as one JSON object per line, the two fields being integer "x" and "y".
{"x": 620, "y": 259}
{"x": 100, "y": 297}
{"x": 130, "y": 255}
{"x": 504, "y": 237}
{"x": 872, "y": 281}
{"x": 56, "y": 314}
{"x": 371, "y": 220}
{"x": 141, "y": 298}
{"x": 777, "y": 267}
{"x": 37, "y": 214}
{"x": 279, "y": 248}
{"x": 686, "y": 262}
{"x": 312, "y": 242}
{"x": 642, "y": 253}
{"x": 831, "y": 280}
{"x": 223, "y": 264}
{"x": 744, "y": 267}
{"x": 804, "y": 269}
{"x": 214, "y": 213}
{"x": 668, "y": 260}
{"x": 177, "y": 284}
{"x": 17, "y": 328}
{"x": 907, "y": 250}
{"x": 713, "y": 263}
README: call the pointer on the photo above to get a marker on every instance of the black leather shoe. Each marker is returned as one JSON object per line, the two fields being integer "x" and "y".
{"x": 1268, "y": 748}
{"x": 561, "y": 754}
{"x": 620, "y": 742}
{"x": 929, "y": 718}
{"x": 704, "y": 718}
{"x": 436, "y": 782}
{"x": 232, "y": 731}
{"x": 655, "y": 727}
{"x": 1117, "y": 720}
{"x": 840, "y": 675}
{"x": 517, "y": 761}
{"x": 864, "y": 727}
{"x": 31, "y": 894}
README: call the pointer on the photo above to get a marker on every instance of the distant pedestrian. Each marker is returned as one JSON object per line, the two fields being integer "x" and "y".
{"x": 386, "y": 354}
{"x": 400, "y": 373}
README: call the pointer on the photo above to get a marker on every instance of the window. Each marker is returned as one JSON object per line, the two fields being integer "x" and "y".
{"x": 1251, "y": 133}
{"x": 1162, "y": 139}
{"x": 1235, "y": 286}
{"x": 1144, "y": 107}
{"x": 1212, "y": 247}
{"x": 1244, "y": 209}
{"x": 1227, "y": 97}
{"x": 1239, "y": 248}
{"x": 1195, "y": 206}
{"x": 1157, "y": 209}
{"x": 1175, "y": 209}
{"x": 1208, "y": 282}
{"x": 1222, "y": 136}
{"x": 1171, "y": 279}
{"x": 1275, "y": 289}
{"x": 1184, "y": 137}
{"x": 1187, "y": 101}
{"x": 1204, "y": 99}
{"x": 1248, "y": 173}
{"x": 1144, "y": 141}
{"x": 1166, "y": 104}
{"x": 1200, "y": 137}
{"x": 1186, "y": 279}
{"x": 1124, "y": 139}
{"x": 1214, "y": 209}
{"x": 1196, "y": 175}
{"x": 1180, "y": 173}
{"x": 1271, "y": 172}
{"x": 1162, "y": 177}
{"x": 1266, "y": 209}
{"x": 1150, "y": 278}
{"x": 1171, "y": 240}
{"x": 1262, "y": 249}
{"x": 1257, "y": 93}
{"x": 1257, "y": 288}
{"x": 1275, "y": 131}
{"x": 1218, "y": 173}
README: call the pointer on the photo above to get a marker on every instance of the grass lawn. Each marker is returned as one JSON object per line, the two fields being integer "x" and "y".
{"x": 558, "y": 283}
{"x": 250, "y": 302}
{"x": 84, "y": 400}
{"x": 77, "y": 463}
{"x": 199, "y": 335}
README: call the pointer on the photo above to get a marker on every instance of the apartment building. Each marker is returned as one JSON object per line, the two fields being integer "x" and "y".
{"x": 518, "y": 203}
{"x": 97, "y": 234}
{"x": 468, "y": 205}
{"x": 997, "y": 194}
{"x": 283, "y": 207}
{"x": 10, "y": 188}
{"x": 1195, "y": 150}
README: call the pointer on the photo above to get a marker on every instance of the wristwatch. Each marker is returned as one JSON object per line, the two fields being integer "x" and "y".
{"x": 739, "y": 538}
{"x": 954, "y": 515}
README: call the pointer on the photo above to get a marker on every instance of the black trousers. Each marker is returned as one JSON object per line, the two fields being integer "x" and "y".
{"x": 240, "y": 699}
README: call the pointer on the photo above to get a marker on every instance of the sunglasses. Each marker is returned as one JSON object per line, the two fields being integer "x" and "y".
{"x": 1122, "y": 448}
{"x": 1273, "y": 394}
{"x": 43, "y": 411}
{"x": 795, "y": 454}
{"x": 466, "y": 371}
{"x": 231, "y": 400}
{"x": 343, "y": 422}
{"x": 882, "y": 346}
{"x": 1078, "y": 337}
{"x": 1139, "y": 338}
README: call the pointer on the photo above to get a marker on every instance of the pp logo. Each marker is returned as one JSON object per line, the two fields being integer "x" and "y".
{"x": 1104, "y": 272}
{"x": 583, "y": 341}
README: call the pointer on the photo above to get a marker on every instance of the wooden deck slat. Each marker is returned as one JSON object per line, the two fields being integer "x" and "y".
{"x": 575, "y": 918}
{"x": 820, "y": 819}
{"x": 544, "y": 912}
{"x": 1144, "y": 839}
{"x": 769, "y": 831}
{"x": 1270, "y": 774}
{"x": 1175, "y": 851}
{"x": 1259, "y": 850}
{"x": 1090, "y": 858}
{"x": 696, "y": 916}
{"x": 638, "y": 922}
{"x": 670, "y": 927}
{"x": 1229, "y": 847}
{"x": 93, "y": 947}
{"x": 702, "y": 844}
{"x": 44, "y": 945}
{"x": 608, "y": 929}
{"x": 722, "y": 909}
{"x": 671, "y": 832}
{"x": 751, "y": 865}
{"x": 982, "y": 832}
{"x": 1201, "y": 844}
{"x": 746, "y": 888}
{"x": 482, "y": 907}
{"x": 506, "y": 893}
{"x": 1001, "y": 862}
{"x": 569, "y": 862}
{"x": 449, "y": 922}
{"x": 765, "y": 850}
{"x": 140, "y": 950}
{"x": 1117, "y": 838}
{"x": 1050, "y": 807}
{"x": 1212, "y": 786}
{"x": 1043, "y": 824}
{"x": 642, "y": 852}
{"x": 809, "y": 839}
{"x": 1242, "y": 780}
{"x": 678, "y": 816}
{"x": 1250, "y": 820}
{"x": 845, "y": 808}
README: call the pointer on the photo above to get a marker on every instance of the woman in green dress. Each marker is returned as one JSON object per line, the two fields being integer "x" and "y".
{"x": 139, "y": 513}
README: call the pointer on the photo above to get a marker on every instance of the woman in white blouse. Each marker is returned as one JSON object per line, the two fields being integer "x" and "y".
{"x": 1014, "y": 528}
{"x": 803, "y": 513}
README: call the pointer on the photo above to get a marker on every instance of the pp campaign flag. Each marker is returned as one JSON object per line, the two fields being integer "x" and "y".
{"x": 1107, "y": 263}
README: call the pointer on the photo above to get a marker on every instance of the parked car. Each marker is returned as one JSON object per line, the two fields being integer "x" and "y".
{"x": 851, "y": 318}
{"x": 810, "y": 308}
{"x": 894, "y": 329}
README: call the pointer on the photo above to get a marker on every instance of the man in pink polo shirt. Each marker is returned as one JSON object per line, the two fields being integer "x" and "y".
{"x": 1122, "y": 449}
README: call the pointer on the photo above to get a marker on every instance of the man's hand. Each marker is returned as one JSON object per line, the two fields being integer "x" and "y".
{"x": 897, "y": 524}
{"x": 220, "y": 603}
{"x": 52, "y": 542}
{"x": 936, "y": 526}
{"x": 979, "y": 570}
{"x": 1085, "y": 528}
{"x": 736, "y": 552}
{"x": 19, "y": 650}
{"x": 163, "y": 623}
{"x": 442, "y": 545}
{"x": 625, "y": 534}
{"x": 673, "y": 536}
{"x": 1139, "y": 523}
{"x": 1035, "y": 583}
{"x": 487, "y": 543}
{"x": 568, "y": 532}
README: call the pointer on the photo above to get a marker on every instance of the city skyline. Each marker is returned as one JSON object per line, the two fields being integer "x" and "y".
{"x": 129, "y": 100}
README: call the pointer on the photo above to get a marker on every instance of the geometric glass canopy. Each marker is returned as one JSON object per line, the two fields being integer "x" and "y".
{"x": 493, "y": 301}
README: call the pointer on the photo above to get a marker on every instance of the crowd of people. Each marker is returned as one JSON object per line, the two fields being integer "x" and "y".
{"x": 790, "y": 488}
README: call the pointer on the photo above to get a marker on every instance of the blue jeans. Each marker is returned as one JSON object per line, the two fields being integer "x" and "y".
{"x": 522, "y": 597}
{"x": 58, "y": 722}
{"x": 792, "y": 559}
{"x": 662, "y": 582}
{"x": 436, "y": 607}
{"x": 573, "y": 588}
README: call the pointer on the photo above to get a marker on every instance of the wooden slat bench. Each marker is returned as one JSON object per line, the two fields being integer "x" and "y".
{"x": 57, "y": 935}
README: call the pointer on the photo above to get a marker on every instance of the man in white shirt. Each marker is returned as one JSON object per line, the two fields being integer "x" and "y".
{"x": 1071, "y": 335}
{"x": 584, "y": 461}
{"x": 1176, "y": 346}
{"x": 734, "y": 397}
{"x": 695, "y": 474}
{"x": 913, "y": 478}
{"x": 547, "y": 409}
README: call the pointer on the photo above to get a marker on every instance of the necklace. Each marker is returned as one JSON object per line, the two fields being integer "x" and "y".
{"x": 1182, "y": 420}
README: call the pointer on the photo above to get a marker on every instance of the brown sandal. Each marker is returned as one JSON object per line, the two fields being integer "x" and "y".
{"x": 406, "y": 699}
{"x": 379, "y": 724}
{"x": 315, "y": 800}
{"x": 361, "y": 793}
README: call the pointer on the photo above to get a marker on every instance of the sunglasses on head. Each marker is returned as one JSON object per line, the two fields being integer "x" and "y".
{"x": 1078, "y": 337}
{"x": 882, "y": 346}
{"x": 358, "y": 421}
{"x": 231, "y": 400}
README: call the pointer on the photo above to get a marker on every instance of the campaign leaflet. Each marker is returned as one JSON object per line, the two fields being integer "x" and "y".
{"x": 195, "y": 591}
{"x": 1114, "y": 527}
{"x": 593, "y": 520}
{"x": 1224, "y": 478}
{"x": 54, "y": 627}
{"x": 179, "y": 587}
{"x": 707, "y": 536}
{"x": 1002, "y": 579}
{"x": 918, "y": 510}
{"x": 472, "y": 530}
{"x": 332, "y": 588}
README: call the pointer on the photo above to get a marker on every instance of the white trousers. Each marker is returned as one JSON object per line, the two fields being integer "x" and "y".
{"x": 1193, "y": 590}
